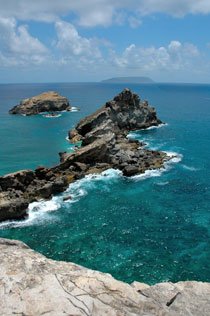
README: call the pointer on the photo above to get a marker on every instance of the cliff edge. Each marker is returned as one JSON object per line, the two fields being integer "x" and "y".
{"x": 31, "y": 284}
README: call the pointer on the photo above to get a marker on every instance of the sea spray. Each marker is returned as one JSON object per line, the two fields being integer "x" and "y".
{"x": 173, "y": 158}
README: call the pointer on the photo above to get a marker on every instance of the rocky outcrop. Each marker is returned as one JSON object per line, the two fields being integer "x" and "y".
{"x": 103, "y": 135}
{"x": 31, "y": 284}
{"x": 104, "y": 145}
{"x": 46, "y": 102}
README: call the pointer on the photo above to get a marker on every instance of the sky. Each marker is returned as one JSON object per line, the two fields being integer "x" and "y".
{"x": 92, "y": 40}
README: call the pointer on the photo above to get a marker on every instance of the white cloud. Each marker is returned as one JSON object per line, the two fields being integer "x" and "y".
{"x": 98, "y": 12}
{"x": 17, "y": 46}
{"x": 71, "y": 43}
{"x": 175, "y": 56}
{"x": 134, "y": 21}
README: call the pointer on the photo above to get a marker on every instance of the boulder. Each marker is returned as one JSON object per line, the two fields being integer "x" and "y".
{"x": 13, "y": 209}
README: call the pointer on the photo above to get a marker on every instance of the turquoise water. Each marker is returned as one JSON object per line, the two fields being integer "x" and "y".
{"x": 152, "y": 228}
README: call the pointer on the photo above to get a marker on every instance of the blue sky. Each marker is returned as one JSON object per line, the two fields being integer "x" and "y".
{"x": 91, "y": 40}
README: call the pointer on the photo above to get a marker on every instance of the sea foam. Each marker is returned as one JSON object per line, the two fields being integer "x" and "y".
{"x": 174, "y": 158}
{"x": 37, "y": 212}
{"x": 41, "y": 211}
{"x": 154, "y": 127}
{"x": 189, "y": 168}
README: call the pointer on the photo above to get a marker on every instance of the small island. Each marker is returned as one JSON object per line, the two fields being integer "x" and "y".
{"x": 49, "y": 101}
{"x": 128, "y": 80}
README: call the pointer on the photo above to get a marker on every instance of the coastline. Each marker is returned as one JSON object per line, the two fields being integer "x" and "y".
{"x": 104, "y": 146}
{"x": 35, "y": 285}
{"x": 52, "y": 205}
{"x": 193, "y": 291}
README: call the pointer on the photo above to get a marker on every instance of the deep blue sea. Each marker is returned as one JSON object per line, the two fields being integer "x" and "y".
{"x": 151, "y": 228}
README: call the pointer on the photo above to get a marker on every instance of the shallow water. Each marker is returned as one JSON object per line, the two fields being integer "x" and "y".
{"x": 149, "y": 228}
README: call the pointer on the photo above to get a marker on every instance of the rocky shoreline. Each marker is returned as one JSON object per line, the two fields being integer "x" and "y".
{"x": 49, "y": 101}
{"x": 104, "y": 145}
{"x": 31, "y": 284}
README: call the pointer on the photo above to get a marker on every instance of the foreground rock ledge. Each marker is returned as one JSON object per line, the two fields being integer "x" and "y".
{"x": 104, "y": 145}
{"x": 32, "y": 285}
{"x": 49, "y": 101}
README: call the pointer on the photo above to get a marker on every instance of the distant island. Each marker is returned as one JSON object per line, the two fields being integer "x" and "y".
{"x": 128, "y": 80}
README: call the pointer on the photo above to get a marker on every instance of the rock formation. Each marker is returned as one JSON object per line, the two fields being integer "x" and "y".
{"x": 31, "y": 284}
{"x": 46, "y": 102}
{"x": 104, "y": 145}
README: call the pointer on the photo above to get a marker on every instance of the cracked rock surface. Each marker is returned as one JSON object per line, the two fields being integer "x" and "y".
{"x": 32, "y": 285}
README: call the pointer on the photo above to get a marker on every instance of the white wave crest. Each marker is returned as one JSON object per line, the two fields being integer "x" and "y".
{"x": 37, "y": 212}
{"x": 190, "y": 168}
{"x": 162, "y": 183}
{"x": 174, "y": 158}
{"x": 80, "y": 188}
{"x": 154, "y": 127}
{"x": 137, "y": 134}
{"x": 148, "y": 174}
{"x": 74, "y": 109}
{"x": 51, "y": 116}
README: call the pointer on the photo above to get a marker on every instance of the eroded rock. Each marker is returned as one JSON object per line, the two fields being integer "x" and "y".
{"x": 104, "y": 145}
{"x": 31, "y": 284}
{"x": 49, "y": 101}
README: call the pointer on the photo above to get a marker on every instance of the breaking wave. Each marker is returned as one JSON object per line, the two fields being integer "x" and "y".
{"x": 174, "y": 158}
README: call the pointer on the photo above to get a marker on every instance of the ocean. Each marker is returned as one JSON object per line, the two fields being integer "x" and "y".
{"x": 149, "y": 228}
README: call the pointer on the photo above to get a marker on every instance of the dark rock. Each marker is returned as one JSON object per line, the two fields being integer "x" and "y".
{"x": 16, "y": 179}
{"x": 13, "y": 209}
{"x": 130, "y": 170}
{"x": 67, "y": 198}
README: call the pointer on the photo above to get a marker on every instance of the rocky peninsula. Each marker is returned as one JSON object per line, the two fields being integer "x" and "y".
{"x": 49, "y": 101}
{"x": 31, "y": 284}
{"x": 104, "y": 145}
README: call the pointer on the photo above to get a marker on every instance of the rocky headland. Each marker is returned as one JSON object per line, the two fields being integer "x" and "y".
{"x": 49, "y": 101}
{"x": 32, "y": 285}
{"x": 104, "y": 145}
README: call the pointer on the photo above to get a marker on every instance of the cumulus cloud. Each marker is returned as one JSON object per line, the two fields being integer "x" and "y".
{"x": 73, "y": 49}
{"x": 17, "y": 46}
{"x": 98, "y": 12}
{"x": 71, "y": 43}
{"x": 175, "y": 56}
